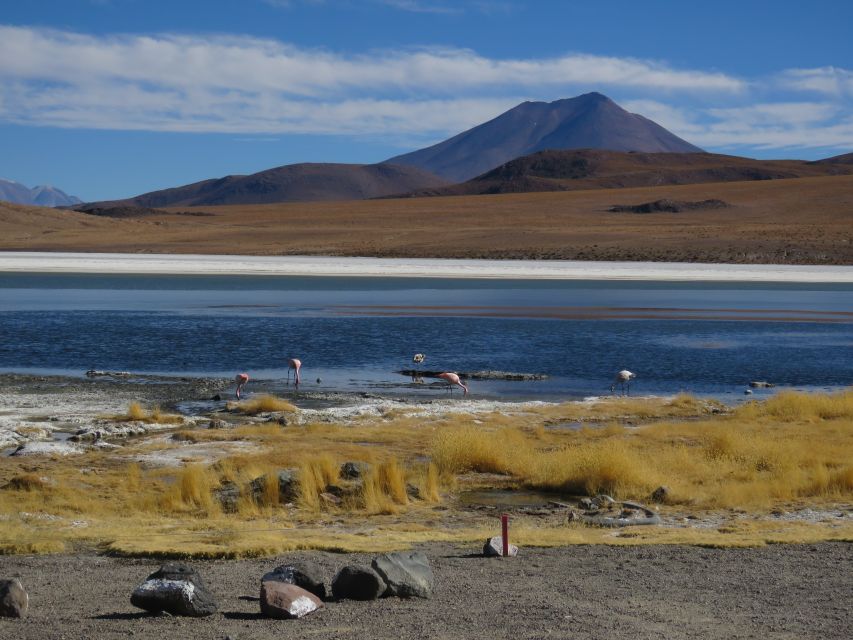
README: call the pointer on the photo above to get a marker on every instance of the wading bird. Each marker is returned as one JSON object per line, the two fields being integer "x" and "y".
{"x": 241, "y": 379}
{"x": 418, "y": 358}
{"x": 623, "y": 378}
{"x": 296, "y": 365}
{"x": 453, "y": 379}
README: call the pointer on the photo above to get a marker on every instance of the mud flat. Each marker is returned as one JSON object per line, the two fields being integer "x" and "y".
{"x": 163, "y": 264}
{"x": 779, "y": 591}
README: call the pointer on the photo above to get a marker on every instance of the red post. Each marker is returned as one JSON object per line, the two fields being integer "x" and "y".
{"x": 505, "y": 533}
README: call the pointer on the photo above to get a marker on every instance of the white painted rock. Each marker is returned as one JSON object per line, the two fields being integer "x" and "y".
{"x": 285, "y": 600}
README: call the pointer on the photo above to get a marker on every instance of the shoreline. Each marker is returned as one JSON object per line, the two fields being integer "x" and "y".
{"x": 327, "y": 266}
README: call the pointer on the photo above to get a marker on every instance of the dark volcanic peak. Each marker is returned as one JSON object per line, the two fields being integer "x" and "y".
{"x": 42, "y": 195}
{"x": 591, "y": 121}
{"x": 599, "y": 169}
{"x": 292, "y": 183}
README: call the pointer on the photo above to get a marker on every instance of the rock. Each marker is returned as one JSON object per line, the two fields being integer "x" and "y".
{"x": 354, "y": 470}
{"x": 216, "y": 398}
{"x": 330, "y": 499}
{"x": 14, "y": 600}
{"x": 357, "y": 583}
{"x": 760, "y": 384}
{"x": 218, "y": 424}
{"x": 661, "y": 494}
{"x": 288, "y": 486}
{"x": 228, "y": 495}
{"x": 285, "y": 600}
{"x": 406, "y": 575}
{"x": 176, "y": 589}
{"x": 494, "y": 548}
{"x": 303, "y": 573}
{"x": 748, "y": 392}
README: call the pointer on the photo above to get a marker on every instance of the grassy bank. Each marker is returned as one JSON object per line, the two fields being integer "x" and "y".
{"x": 791, "y": 451}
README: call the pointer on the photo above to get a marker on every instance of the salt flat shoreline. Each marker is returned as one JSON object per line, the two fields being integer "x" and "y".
{"x": 223, "y": 265}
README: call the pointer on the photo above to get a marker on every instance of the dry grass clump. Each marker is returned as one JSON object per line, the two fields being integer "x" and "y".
{"x": 383, "y": 488}
{"x": 315, "y": 474}
{"x": 264, "y": 404}
{"x": 27, "y": 482}
{"x": 136, "y": 413}
{"x": 790, "y": 406}
{"x": 192, "y": 491}
{"x": 798, "y": 446}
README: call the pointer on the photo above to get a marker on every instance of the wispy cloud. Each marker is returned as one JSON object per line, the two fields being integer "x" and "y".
{"x": 171, "y": 82}
{"x": 246, "y": 85}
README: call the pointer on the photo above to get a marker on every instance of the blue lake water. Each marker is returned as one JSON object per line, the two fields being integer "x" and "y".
{"x": 354, "y": 333}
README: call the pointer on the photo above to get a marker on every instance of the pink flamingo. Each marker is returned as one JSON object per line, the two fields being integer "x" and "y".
{"x": 453, "y": 379}
{"x": 241, "y": 380}
{"x": 296, "y": 365}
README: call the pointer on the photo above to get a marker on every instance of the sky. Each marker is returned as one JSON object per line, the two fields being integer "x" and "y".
{"x": 113, "y": 98}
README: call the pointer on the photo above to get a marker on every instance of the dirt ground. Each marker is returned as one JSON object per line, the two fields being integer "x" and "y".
{"x": 779, "y": 591}
{"x": 796, "y": 221}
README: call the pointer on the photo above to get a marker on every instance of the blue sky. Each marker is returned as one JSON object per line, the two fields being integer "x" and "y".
{"x": 111, "y": 98}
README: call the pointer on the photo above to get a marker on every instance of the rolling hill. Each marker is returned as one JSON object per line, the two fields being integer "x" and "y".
{"x": 591, "y": 121}
{"x": 304, "y": 182}
{"x": 597, "y": 169}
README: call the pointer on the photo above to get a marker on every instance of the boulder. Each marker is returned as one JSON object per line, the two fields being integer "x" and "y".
{"x": 304, "y": 574}
{"x": 228, "y": 495}
{"x": 494, "y": 548}
{"x": 14, "y": 600}
{"x": 406, "y": 575}
{"x": 218, "y": 424}
{"x": 357, "y": 583}
{"x": 177, "y": 589}
{"x": 661, "y": 494}
{"x": 285, "y": 600}
{"x": 353, "y": 470}
{"x": 288, "y": 486}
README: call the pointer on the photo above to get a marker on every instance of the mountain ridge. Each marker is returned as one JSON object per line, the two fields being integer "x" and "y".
{"x": 591, "y": 120}
{"x": 41, "y": 195}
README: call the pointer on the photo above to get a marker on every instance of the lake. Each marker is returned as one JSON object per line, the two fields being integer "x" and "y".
{"x": 354, "y": 333}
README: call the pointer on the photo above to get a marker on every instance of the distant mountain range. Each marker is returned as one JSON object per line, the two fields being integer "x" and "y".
{"x": 292, "y": 183}
{"x": 587, "y": 142}
{"x": 42, "y": 195}
{"x": 598, "y": 169}
{"x": 590, "y": 121}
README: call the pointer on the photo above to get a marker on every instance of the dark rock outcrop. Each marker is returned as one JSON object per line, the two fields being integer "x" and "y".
{"x": 406, "y": 575}
{"x": 303, "y": 573}
{"x": 177, "y": 589}
{"x": 357, "y": 583}
{"x": 14, "y": 600}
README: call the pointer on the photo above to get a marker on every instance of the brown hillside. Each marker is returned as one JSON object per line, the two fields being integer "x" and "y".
{"x": 597, "y": 169}
{"x": 797, "y": 221}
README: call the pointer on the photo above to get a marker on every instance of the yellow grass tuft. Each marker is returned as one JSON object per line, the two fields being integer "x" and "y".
{"x": 315, "y": 474}
{"x": 27, "y": 482}
{"x": 264, "y": 404}
{"x": 192, "y": 491}
{"x": 136, "y": 413}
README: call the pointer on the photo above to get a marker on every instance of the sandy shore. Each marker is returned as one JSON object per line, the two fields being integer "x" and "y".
{"x": 163, "y": 264}
{"x": 780, "y": 591}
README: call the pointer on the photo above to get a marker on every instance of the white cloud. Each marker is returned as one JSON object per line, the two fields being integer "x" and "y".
{"x": 171, "y": 82}
{"x": 828, "y": 80}
{"x": 761, "y": 126}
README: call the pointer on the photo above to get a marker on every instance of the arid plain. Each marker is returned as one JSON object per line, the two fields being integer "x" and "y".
{"x": 792, "y": 221}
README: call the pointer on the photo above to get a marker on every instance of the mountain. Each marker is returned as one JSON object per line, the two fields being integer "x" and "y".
{"x": 598, "y": 169}
{"x": 292, "y": 183}
{"x": 43, "y": 195}
{"x": 590, "y": 121}
{"x": 847, "y": 158}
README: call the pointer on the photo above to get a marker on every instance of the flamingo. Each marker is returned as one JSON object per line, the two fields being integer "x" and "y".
{"x": 623, "y": 378}
{"x": 296, "y": 365}
{"x": 453, "y": 379}
{"x": 241, "y": 379}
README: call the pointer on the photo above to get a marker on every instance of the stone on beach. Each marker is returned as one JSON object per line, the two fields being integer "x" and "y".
{"x": 357, "y": 583}
{"x": 304, "y": 574}
{"x": 406, "y": 575}
{"x": 14, "y": 600}
{"x": 494, "y": 548}
{"x": 285, "y": 600}
{"x": 177, "y": 589}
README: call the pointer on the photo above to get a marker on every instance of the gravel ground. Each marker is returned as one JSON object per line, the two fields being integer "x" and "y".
{"x": 781, "y": 591}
